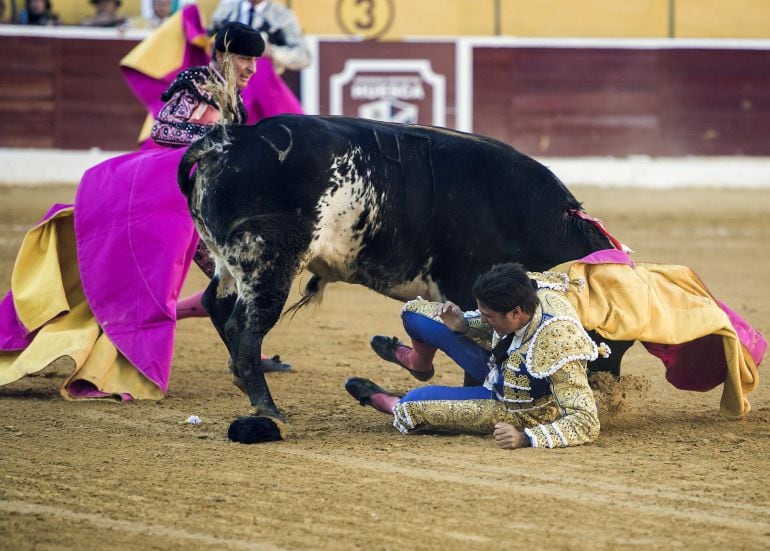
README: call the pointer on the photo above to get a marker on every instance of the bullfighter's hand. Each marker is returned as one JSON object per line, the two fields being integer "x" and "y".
{"x": 509, "y": 437}
{"x": 452, "y": 316}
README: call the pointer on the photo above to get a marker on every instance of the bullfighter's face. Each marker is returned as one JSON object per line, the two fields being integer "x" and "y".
{"x": 245, "y": 67}
{"x": 504, "y": 323}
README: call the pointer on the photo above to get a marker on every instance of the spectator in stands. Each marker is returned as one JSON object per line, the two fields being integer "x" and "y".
{"x": 285, "y": 43}
{"x": 38, "y": 12}
{"x": 159, "y": 11}
{"x": 106, "y": 14}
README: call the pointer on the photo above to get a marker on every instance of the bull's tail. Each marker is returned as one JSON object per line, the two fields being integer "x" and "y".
{"x": 313, "y": 292}
{"x": 183, "y": 177}
{"x": 213, "y": 141}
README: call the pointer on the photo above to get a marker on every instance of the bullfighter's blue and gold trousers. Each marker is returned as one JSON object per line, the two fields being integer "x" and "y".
{"x": 473, "y": 409}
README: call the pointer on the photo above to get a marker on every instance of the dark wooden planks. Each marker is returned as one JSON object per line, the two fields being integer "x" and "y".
{"x": 599, "y": 101}
{"x": 66, "y": 93}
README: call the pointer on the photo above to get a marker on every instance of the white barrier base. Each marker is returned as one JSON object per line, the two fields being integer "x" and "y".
{"x": 52, "y": 166}
{"x": 642, "y": 171}
{"x": 25, "y": 166}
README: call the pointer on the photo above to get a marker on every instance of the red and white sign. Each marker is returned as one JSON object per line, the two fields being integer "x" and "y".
{"x": 393, "y": 90}
{"x": 411, "y": 83}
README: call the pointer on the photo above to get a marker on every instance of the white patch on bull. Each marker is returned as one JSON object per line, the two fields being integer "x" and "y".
{"x": 335, "y": 243}
{"x": 197, "y": 195}
{"x": 226, "y": 285}
{"x": 246, "y": 249}
{"x": 421, "y": 286}
{"x": 212, "y": 147}
{"x": 229, "y": 258}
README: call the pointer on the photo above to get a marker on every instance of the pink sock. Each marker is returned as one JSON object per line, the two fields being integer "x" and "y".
{"x": 383, "y": 402}
{"x": 191, "y": 307}
{"x": 417, "y": 358}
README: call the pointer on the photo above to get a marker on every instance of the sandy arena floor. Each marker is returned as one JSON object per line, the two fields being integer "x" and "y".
{"x": 666, "y": 472}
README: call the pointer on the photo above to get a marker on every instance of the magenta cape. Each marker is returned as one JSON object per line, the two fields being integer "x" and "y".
{"x": 267, "y": 94}
{"x": 135, "y": 241}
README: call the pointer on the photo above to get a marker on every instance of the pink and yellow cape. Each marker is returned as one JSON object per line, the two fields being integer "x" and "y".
{"x": 700, "y": 340}
{"x": 97, "y": 283}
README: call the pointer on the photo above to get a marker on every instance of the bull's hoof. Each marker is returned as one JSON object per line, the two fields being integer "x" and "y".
{"x": 253, "y": 429}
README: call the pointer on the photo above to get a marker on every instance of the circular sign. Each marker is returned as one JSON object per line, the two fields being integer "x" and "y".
{"x": 368, "y": 19}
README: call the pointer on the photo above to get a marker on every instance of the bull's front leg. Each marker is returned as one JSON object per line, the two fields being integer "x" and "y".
{"x": 265, "y": 423}
{"x": 263, "y": 288}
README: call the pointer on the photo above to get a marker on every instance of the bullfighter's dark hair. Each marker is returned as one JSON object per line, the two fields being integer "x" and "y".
{"x": 506, "y": 286}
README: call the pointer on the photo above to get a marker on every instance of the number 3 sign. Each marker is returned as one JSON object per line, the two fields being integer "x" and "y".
{"x": 368, "y": 19}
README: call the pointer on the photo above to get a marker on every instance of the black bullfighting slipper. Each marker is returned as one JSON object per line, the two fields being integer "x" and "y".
{"x": 362, "y": 390}
{"x": 385, "y": 348}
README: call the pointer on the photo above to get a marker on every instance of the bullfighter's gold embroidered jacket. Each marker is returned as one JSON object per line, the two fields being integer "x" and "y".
{"x": 542, "y": 386}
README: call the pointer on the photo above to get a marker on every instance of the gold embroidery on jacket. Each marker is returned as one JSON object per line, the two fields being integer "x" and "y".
{"x": 559, "y": 340}
{"x": 558, "y": 281}
{"x": 556, "y": 349}
{"x": 577, "y": 421}
{"x": 516, "y": 380}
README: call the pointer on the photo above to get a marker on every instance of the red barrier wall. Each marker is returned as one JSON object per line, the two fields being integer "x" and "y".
{"x": 664, "y": 102}
{"x": 67, "y": 92}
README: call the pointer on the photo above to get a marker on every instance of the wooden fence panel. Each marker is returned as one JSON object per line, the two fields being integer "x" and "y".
{"x": 66, "y": 92}
{"x": 559, "y": 101}
{"x": 598, "y": 101}
{"x": 717, "y": 102}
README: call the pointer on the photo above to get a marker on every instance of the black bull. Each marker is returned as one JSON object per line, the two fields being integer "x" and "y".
{"x": 403, "y": 210}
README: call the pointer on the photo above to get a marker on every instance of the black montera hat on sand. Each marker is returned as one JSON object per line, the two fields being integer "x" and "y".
{"x": 240, "y": 39}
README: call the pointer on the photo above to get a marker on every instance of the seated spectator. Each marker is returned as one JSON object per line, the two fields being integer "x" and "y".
{"x": 159, "y": 11}
{"x": 38, "y": 12}
{"x": 106, "y": 14}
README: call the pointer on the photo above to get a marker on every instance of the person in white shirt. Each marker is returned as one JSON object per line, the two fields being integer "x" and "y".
{"x": 280, "y": 29}
{"x": 527, "y": 345}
